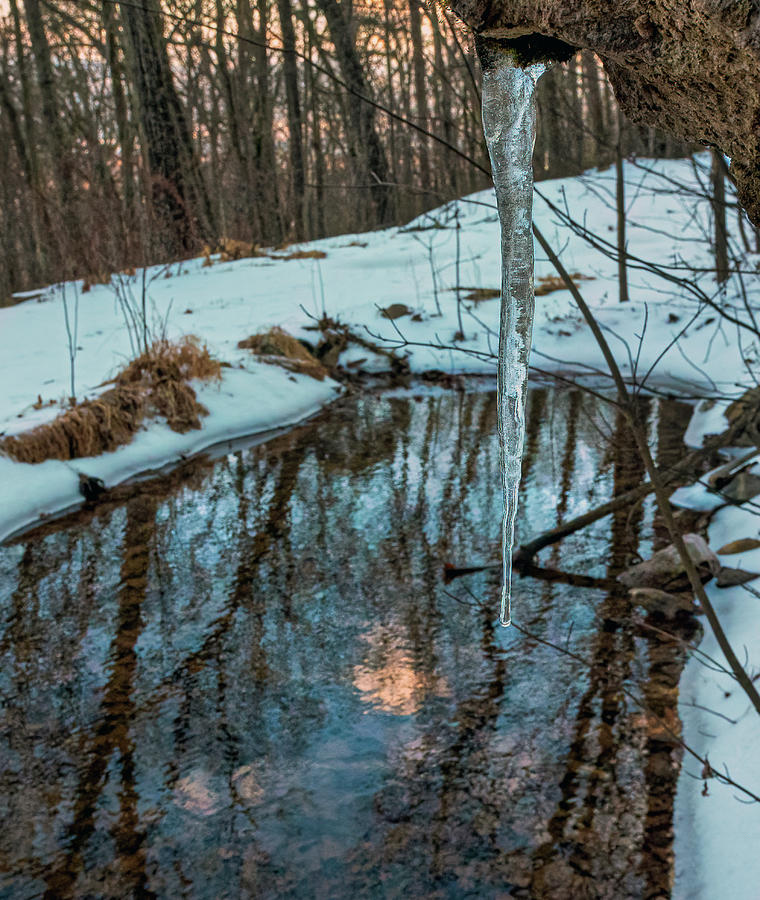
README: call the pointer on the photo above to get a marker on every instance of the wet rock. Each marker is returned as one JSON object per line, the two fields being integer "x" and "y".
{"x": 692, "y": 521}
{"x": 728, "y": 577}
{"x": 665, "y": 570}
{"x": 744, "y": 487}
{"x": 90, "y": 487}
{"x": 689, "y": 67}
{"x": 654, "y": 600}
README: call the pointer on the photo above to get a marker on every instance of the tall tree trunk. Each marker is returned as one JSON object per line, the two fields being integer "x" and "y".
{"x": 317, "y": 221}
{"x": 622, "y": 243}
{"x": 180, "y": 201}
{"x": 26, "y": 153}
{"x": 420, "y": 91}
{"x": 391, "y": 98}
{"x": 65, "y": 229}
{"x": 593, "y": 92}
{"x": 123, "y": 128}
{"x": 361, "y": 115}
{"x": 449, "y": 163}
{"x": 295, "y": 124}
{"x": 263, "y": 135}
{"x": 718, "y": 203}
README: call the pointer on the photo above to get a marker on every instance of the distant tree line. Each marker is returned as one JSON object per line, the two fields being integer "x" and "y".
{"x": 141, "y": 131}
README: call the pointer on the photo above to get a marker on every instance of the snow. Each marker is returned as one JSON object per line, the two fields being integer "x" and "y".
{"x": 256, "y": 400}
{"x": 716, "y": 837}
{"x": 360, "y": 275}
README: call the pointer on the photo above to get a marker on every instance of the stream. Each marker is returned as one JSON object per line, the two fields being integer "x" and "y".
{"x": 250, "y": 678}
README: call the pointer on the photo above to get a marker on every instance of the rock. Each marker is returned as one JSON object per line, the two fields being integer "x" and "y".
{"x": 90, "y": 487}
{"x": 665, "y": 570}
{"x": 743, "y": 545}
{"x": 744, "y": 487}
{"x": 654, "y": 600}
{"x": 728, "y": 577}
{"x": 690, "y": 67}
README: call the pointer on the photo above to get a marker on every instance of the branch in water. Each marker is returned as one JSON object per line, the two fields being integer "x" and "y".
{"x": 629, "y": 409}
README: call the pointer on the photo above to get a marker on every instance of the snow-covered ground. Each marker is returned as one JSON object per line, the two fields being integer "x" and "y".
{"x": 689, "y": 346}
{"x": 718, "y": 832}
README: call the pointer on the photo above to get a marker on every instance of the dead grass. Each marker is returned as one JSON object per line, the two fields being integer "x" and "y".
{"x": 96, "y": 278}
{"x": 156, "y": 383}
{"x": 550, "y": 283}
{"x": 476, "y": 295}
{"x": 303, "y": 254}
{"x": 230, "y": 249}
{"x": 280, "y": 348}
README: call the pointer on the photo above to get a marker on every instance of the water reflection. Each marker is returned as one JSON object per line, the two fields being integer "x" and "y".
{"x": 251, "y": 680}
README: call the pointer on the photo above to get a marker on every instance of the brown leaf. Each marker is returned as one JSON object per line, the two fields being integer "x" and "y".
{"x": 395, "y": 311}
{"x": 741, "y": 546}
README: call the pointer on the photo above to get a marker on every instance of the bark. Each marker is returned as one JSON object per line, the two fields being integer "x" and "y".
{"x": 420, "y": 90}
{"x": 622, "y": 243}
{"x": 180, "y": 202}
{"x": 65, "y": 232}
{"x": 295, "y": 125}
{"x": 262, "y": 138}
{"x": 123, "y": 128}
{"x": 718, "y": 203}
{"x": 689, "y": 67}
{"x": 593, "y": 92}
{"x": 361, "y": 116}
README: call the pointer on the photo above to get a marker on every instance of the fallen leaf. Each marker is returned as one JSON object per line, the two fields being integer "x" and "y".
{"x": 395, "y": 311}
{"x": 741, "y": 546}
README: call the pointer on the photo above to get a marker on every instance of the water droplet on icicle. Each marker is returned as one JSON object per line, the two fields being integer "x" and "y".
{"x": 509, "y": 124}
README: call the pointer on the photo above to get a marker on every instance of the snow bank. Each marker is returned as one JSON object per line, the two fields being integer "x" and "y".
{"x": 261, "y": 398}
{"x": 717, "y": 836}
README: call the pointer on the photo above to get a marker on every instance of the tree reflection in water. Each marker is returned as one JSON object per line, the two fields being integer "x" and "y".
{"x": 249, "y": 679}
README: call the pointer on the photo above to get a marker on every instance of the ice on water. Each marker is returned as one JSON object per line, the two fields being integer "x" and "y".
{"x": 509, "y": 123}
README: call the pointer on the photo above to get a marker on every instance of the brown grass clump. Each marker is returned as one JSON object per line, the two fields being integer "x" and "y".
{"x": 303, "y": 254}
{"x": 230, "y": 249}
{"x": 153, "y": 384}
{"x": 88, "y": 429}
{"x": 550, "y": 283}
{"x": 95, "y": 278}
{"x": 280, "y": 348}
{"x": 477, "y": 294}
{"x": 163, "y": 373}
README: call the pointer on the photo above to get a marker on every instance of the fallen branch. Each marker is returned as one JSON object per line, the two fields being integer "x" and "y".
{"x": 681, "y": 472}
{"x": 655, "y": 477}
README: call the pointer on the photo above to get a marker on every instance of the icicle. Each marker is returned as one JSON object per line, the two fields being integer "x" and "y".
{"x": 509, "y": 124}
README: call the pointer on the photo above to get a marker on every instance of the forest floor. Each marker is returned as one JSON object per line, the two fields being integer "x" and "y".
{"x": 428, "y": 292}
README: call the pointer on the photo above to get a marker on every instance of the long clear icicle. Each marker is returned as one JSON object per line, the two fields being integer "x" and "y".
{"x": 509, "y": 124}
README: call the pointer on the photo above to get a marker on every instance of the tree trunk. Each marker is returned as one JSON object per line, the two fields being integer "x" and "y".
{"x": 295, "y": 125}
{"x": 718, "y": 203}
{"x": 620, "y": 198}
{"x": 180, "y": 202}
{"x": 65, "y": 225}
{"x": 591, "y": 78}
{"x": 361, "y": 116}
{"x": 123, "y": 128}
{"x": 420, "y": 91}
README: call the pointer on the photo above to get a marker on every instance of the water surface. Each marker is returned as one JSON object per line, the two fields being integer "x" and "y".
{"x": 251, "y": 679}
